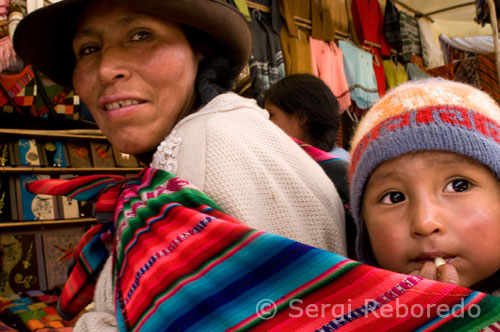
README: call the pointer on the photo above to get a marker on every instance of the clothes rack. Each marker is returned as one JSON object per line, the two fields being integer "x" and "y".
{"x": 258, "y": 6}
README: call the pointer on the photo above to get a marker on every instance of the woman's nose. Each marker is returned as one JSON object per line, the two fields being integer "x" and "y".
{"x": 428, "y": 218}
{"x": 112, "y": 65}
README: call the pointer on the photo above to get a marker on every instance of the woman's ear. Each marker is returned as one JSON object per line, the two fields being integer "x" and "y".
{"x": 303, "y": 120}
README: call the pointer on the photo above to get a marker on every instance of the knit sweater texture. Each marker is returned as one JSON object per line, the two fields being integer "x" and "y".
{"x": 231, "y": 151}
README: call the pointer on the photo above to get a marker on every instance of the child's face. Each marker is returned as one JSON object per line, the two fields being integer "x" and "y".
{"x": 423, "y": 205}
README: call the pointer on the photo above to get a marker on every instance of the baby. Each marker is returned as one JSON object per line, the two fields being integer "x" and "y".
{"x": 424, "y": 181}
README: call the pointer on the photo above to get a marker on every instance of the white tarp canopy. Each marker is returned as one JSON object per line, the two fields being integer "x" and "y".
{"x": 454, "y": 18}
{"x": 452, "y": 10}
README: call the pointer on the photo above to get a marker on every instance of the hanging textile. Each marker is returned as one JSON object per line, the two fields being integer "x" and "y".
{"x": 266, "y": 62}
{"x": 395, "y": 73}
{"x": 414, "y": 72}
{"x": 431, "y": 53}
{"x": 488, "y": 75}
{"x": 410, "y": 36}
{"x": 295, "y": 33}
{"x": 452, "y": 53}
{"x": 483, "y": 12}
{"x": 391, "y": 27}
{"x": 360, "y": 76}
{"x": 368, "y": 21}
{"x": 447, "y": 71}
{"x": 328, "y": 64}
{"x": 467, "y": 71}
{"x": 418, "y": 61}
{"x": 243, "y": 8}
{"x": 332, "y": 17}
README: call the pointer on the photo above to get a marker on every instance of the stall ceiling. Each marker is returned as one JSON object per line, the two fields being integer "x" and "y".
{"x": 465, "y": 10}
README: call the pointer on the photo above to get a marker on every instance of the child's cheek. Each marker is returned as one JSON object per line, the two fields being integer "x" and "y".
{"x": 388, "y": 246}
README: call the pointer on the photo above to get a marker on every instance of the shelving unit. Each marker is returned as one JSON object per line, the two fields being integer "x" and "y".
{"x": 63, "y": 135}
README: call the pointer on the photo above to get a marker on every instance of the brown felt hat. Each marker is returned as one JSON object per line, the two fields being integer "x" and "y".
{"x": 44, "y": 37}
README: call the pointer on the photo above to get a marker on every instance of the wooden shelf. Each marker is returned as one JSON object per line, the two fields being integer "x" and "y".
{"x": 78, "y": 134}
{"x": 47, "y": 222}
{"x": 66, "y": 170}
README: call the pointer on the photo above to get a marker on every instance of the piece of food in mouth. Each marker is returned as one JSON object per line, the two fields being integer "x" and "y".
{"x": 439, "y": 261}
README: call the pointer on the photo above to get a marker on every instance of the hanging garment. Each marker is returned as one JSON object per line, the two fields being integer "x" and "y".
{"x": 431, "y": 53}
{"x": 395, "y": 73}
{"x": 410, "y": 36}
{"x": 414, "y": 72}
{"x": 483, "y": 11}
{"x": 467, "y": 71}
{"x": 368, "y": 21}
{"x": 391, "y": 26}
{"x": 447, "y": 71}
{"x": 488, "y": 75}
{"x": 378, "y": 69}
{"x": 332, "y": 17}
{"x": 460, "y": 48}
{"x": 266, "y": 62}
{"x": 360, "y": 76}
{"x": 328, "y": 64}
{"x": 243, "y": 8}
{"x": 294, "y": 36}
{"x": 418, "y": 61}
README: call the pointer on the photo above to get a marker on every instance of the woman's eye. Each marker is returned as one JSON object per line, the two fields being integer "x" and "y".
{"x": 88, "y": 50}
{"x": 142, "y": 35}
{"x": 459, "y": 185}
{"x": 392, "y": 198}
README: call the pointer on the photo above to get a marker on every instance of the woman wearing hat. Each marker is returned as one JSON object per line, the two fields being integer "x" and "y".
{"x": 155, "y": 75}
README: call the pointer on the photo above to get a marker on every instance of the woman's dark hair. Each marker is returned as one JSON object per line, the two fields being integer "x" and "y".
{"x": 216, "y": 72}
{"x": 309, "y": 97}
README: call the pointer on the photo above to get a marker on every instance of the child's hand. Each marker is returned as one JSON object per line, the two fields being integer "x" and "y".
{"x": 445, "y": 273}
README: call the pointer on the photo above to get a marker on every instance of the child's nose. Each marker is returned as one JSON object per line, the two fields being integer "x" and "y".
{"x": 427, "y": 219}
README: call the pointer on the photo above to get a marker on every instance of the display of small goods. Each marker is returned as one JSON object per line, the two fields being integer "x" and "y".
{"x": 79, "y": 154}
{"x": 23, "y": 267}
{"x": 58, "y": 247}
{"x": 54, "y": 154}
{"x": 30, "y": 152}
{"x": 124, "y": 159}
{"x": 27, "y": 152}
{"x": 102, "y": 154}
{"x": 33, "y": 310}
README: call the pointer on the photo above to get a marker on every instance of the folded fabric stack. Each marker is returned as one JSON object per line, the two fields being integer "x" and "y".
{"x": 34, "y": 311}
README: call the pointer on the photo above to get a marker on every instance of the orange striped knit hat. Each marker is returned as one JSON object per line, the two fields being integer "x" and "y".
{"x": 433, "y": 114}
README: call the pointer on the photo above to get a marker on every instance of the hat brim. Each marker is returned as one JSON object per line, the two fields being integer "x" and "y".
{"x": 44, "y": 37}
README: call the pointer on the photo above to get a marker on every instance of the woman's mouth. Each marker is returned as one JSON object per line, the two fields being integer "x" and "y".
{"x": 121, "y": 103}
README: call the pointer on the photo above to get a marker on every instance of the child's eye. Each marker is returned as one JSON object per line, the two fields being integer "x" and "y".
{"x": 458, "y": 185}
{"x": 141, "y": 35}
{"x": 392, "y": 198}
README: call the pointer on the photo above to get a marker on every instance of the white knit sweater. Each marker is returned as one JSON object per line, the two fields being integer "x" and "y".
{"x": 254, "y": 171}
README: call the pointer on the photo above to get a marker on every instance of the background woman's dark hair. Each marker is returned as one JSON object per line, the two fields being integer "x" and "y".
{"x": 216, "y": 71}
{"x": 308, "y": 96}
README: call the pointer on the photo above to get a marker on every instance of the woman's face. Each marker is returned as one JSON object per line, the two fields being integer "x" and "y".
{"x": 291, "y": 124}
{"x": 135, "y": 72}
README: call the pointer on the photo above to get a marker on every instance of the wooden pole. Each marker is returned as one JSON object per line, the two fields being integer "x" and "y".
{"x": 494, "y": 27}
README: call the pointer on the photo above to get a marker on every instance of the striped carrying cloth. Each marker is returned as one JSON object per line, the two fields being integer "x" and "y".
{"x": 181, "y": 264}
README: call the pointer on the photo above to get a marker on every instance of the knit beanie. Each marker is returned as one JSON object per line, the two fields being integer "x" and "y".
{"x": 431, "y": 114}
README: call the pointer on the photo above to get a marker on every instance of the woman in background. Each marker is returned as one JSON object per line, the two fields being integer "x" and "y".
{"x": 306, "y": 109}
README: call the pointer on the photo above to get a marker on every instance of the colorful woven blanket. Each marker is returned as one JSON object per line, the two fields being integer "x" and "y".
{"x": 181, "y": 264}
